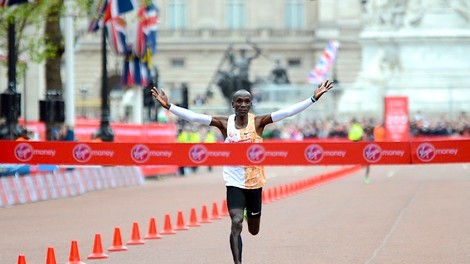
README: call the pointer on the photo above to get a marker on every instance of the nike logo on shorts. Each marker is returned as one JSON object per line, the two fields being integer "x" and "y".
{"x": 253, "y": 214}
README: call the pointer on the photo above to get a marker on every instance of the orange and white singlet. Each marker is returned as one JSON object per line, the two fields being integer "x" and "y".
{"x": 246, "y": 177}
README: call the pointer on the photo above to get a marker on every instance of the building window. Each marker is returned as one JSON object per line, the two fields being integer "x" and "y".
{"x": 294, "y": 63}
{"x": 177, "y": 14}
{"x": 294, "y": 14}
{"x": 235, "y": 14}
{"x": 177, "y": 63}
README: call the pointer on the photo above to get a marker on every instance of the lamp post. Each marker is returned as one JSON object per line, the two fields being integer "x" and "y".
{"x": 104, "y": 132}
{"x": 11, "y": 100}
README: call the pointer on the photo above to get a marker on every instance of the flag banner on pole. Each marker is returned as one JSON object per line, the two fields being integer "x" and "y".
{"x": 123, "y": 6}
{"x": 151, "y": 28}
{"x": 144, "y": 73}
{"x": 320, "y": 72}
{"x": 116, "y": 35}
{"x": 96, "y": 21}
{"x": 146, "y": 30}
{"x": 106, "y": 10}
{"x": 135, "y": 71}
{"x": 128, "y": 71}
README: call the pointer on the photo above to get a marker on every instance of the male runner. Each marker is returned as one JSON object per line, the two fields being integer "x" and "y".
{"x": 244, "y": 183}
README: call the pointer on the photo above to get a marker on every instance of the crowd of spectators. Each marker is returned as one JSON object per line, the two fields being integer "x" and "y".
{"x": 336, "y": 128}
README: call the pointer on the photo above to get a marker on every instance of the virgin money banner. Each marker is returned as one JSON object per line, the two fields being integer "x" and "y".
{"x": 288, "y": 153}
{"x": 397, "y": 123}
{"x": 441, "y": 151}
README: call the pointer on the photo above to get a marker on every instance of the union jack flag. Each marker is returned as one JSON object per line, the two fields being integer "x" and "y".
{"x": 146, "y": 31}
{"x": 124, "y": 6}
{"x": 135, "y": 72}
{"x": 116, "y": 35}
{"x": 320, "y": 72}
{"x": 128, "y": 71}
{"x": 108, "y": 9}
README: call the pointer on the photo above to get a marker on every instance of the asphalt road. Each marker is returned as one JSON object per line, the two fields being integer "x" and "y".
{"x": 407, "y": 214}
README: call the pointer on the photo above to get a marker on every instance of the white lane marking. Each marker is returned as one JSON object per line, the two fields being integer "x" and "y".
{"x": 395, "y": 225}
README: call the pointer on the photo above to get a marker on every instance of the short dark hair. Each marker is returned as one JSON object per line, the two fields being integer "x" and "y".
{"x": 238, "y": 92}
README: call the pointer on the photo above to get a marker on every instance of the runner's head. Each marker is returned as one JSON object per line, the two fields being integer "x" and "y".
{"x": 241, "y": 102}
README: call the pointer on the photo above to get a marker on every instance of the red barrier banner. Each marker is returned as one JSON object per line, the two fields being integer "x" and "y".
{"x": 447, "y": 151}
{"x": 289, "y": 153}
{"x": 84, "y": 129}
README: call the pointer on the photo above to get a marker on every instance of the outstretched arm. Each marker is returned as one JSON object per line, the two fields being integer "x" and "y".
{"x": 296, "y": 108}
{"x": 184, "y": 113}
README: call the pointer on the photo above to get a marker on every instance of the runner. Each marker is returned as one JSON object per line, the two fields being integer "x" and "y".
{"x": 244, "y": 183}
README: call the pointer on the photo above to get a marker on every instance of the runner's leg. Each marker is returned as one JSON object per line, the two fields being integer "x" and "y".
{"x": 253, "y": 208}
{"x": 236, "y": 203}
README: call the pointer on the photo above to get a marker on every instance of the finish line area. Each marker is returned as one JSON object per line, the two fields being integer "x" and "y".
{"x": 407, "y": 214}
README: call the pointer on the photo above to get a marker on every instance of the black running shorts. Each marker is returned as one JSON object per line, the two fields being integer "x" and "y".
{"x": 251, "y": 199}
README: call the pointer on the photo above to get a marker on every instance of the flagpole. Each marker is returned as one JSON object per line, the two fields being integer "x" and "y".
{"x": 105, "y": 133}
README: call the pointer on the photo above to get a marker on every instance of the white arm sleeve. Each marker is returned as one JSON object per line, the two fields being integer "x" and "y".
{"x": 291, "y": 110}
{"x": 190, "y": 115}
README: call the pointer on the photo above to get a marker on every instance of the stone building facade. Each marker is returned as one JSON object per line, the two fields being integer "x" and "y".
{"x": 193, "y": 36}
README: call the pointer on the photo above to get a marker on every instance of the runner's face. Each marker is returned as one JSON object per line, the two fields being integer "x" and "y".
{"x": 242, "y": 104}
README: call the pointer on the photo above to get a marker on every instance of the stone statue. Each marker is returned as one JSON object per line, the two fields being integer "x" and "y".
{"x": 279, "y": 74}
{"x": 240, "y": 67}
{"x": 417, "y": 9}
{"x": 385, "y": 13}
{"x": 462, "y": 7}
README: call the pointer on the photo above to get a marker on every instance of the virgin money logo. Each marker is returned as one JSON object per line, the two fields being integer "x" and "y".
{"x": 82, "y": 153}
{"x": 426, "y": 152}
{"x": 198, "y": 153}
{"x": 256, "y": 153}
{"x": 372, "y": 153}
{"x": 23, "y": 152}
{"x": 140, "y": 153}
{"x": 314, "y": 153}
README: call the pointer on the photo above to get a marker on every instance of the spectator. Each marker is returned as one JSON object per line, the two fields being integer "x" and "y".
{"x": 356, "y": 131}
{"x": 379, "y": 133}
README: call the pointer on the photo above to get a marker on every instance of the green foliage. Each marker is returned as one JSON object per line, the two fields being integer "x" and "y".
{"x": 29, "y": 20}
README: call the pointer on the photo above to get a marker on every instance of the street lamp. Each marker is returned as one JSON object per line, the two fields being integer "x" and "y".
{"x": 105, "y": 132}
{"x": 11, "y": 100}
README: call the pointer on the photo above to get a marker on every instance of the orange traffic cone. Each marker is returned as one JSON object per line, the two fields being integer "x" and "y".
{"x": 50, "y": 259}
{"x": 135, "y": 237}
{"x": 168, "y": 229}
{"x": 281, "y": 192}
{"x": 117, "y": 241}
{"x": 180, "y": 223}
{"x": 287, "y": 190}
{"x": 215, "y": 212}
{"x": 204, "y": 216}
{"x": 275, "y": 194}
{"x": 193, "y": 218}
{"x": 97, "y": 249}
{"x": 153, "y": 234}
{"x": 269, "y": 196}
{"x": 21, "y": 259}
{"x": 224, "y": 208}
{"x": 74, "y": 257}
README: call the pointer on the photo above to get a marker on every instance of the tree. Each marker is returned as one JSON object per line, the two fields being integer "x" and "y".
{"x": 43, "y": 16}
